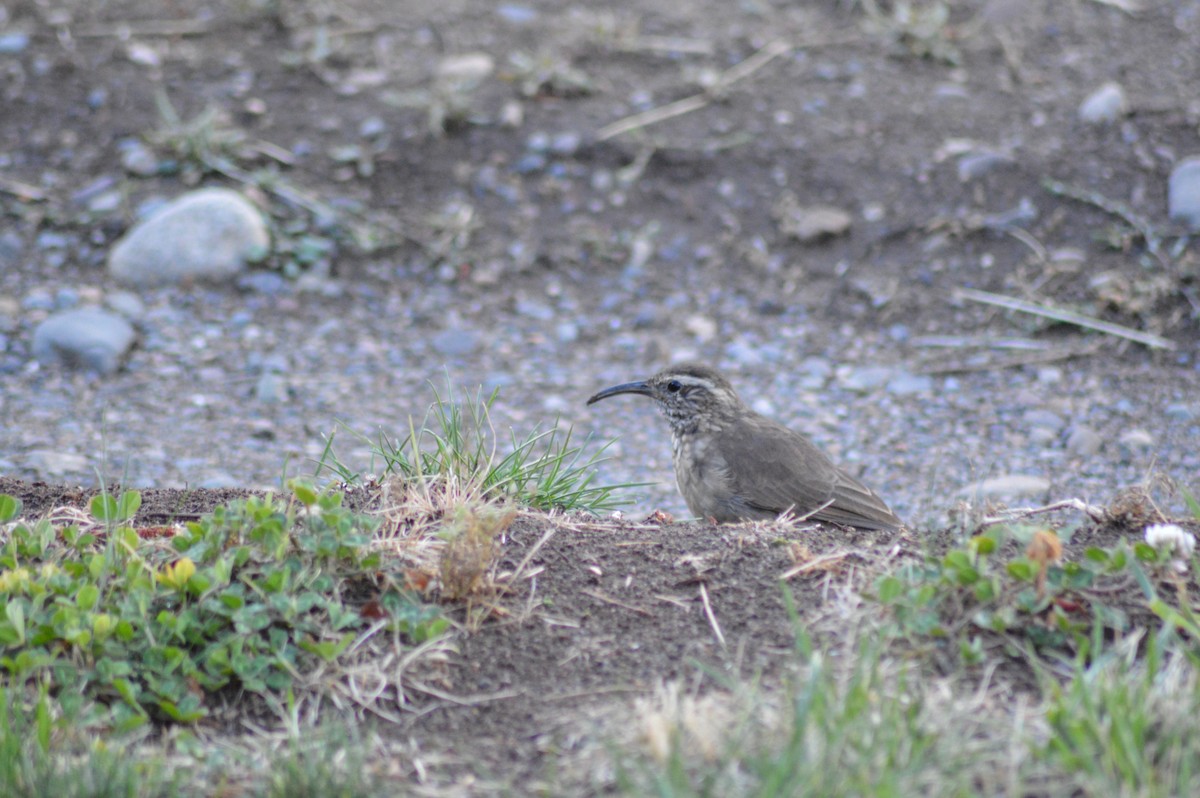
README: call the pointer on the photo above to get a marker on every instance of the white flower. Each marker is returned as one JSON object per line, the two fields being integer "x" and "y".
{"x": 1174, "y": 539}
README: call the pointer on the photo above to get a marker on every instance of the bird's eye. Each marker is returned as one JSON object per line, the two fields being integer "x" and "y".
{"x": 674, "y": 386}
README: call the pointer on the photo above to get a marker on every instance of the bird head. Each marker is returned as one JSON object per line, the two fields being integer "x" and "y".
{"x": 688, "y": 394}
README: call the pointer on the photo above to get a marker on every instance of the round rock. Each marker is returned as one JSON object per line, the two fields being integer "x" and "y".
{"x": 208, "y": 234}
{"x": 87, "y": 338}
{"x": 1183, "y": 192}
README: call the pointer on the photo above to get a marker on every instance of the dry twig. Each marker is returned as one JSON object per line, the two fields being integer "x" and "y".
{"x": 695, "y": 102}
{"x": 1065, "y": 316}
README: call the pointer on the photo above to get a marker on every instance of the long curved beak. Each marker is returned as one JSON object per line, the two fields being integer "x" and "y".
{"x": 629, "y": 387}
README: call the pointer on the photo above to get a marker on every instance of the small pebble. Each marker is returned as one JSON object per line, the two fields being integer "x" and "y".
{"x": 454, "y": 343}
{"x": 906, "y": 384}
{"x": 1183, "y": 194}
{"x": 1106, "y": 104}
{"x": 1084, "y": 442}
{"x": 1007, "y": 486}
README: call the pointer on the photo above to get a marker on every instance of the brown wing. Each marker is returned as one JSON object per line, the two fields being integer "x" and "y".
{"x": 774, "y": 468}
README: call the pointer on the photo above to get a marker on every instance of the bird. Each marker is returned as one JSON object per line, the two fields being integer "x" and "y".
{"x": 733, "y": 464}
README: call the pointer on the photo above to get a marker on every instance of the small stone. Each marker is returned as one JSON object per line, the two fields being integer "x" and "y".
{"x": 13, "y": 42}
{"x": 1180, "y": 411}
{"x": 137, "y": 158}
{"x": 512, "y": 114}
{"x": 217, "y": 480}
{"x": 529, "y": 162}
{"x": 466, "y": 67}
{"x": 1084, "y": 442}
{"x": 455, "y": 343}
{"x": 87, "y": 338}
{"x": 516, "y": 14}
{"x": 47, "y": 463}
{"x": 974, "y": 165}
{"x": 106, "y": 202}
{"x": 127, "y": 304}
{"x": 568, "y": 332}
{"x": 262, "y": 429}
{"x": 1136, "y": 440}
{"x": 372, "y": 127}
{"x": 807, "y": 223}
{"x": 538, "y": 141}
{"x": 566, "y": 143}
{"x": 208, "y": 234}
{"x": 1039, "y": 417}
{"x": 271, "y": 388}
{"x": 1183, "y": 193}
{"x": 702, "y": 327}
{"x": 1006, "y": 486}
{"x": 535, "y": 310}
{"x": 906, "y": 384}
{"x": 263, "y": 282}
{"x": 866, "y": 378}
{"x": 1106, "y": 104}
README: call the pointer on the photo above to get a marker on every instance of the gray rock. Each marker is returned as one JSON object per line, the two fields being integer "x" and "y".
{"x": 271, "y": 388}
{"x": 1180, "y": 411}
{"x": 906, "y": 384}
{"x": 455, "y": 343}
{"x": 217, "y": 480}
{"x": 867, "y": 378}
{"x": 11, "y": 248}
{"x": 974, "y": 165}
{"x": 1136, "y": 440}
{"x": 137, "y": 158}
{"x": 208, "y": 234}
{"x": 53, "y": 464}
{"x": 1183, "y": 192}
{"x": 1039, "y": 417}
{"x": 88, "y": 338}
{"x": 1084, "y": 441}
{"x": 1106, "y": 104}
{"x": 1006, "y": 486}
{"x": 127, "y": 304}
{"x": 568, "y": 332}
{"x": 13, "y": 42}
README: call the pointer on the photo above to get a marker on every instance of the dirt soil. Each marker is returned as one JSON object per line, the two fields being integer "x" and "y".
{"x": 531, "y": 252}
{"x": 543, "y": 676}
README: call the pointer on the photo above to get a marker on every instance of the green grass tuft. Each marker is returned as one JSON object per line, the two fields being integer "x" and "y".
{"x": 457, "y": 442}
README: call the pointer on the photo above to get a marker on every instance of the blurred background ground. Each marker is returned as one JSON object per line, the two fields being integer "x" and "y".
{"x": 448, "y": 198}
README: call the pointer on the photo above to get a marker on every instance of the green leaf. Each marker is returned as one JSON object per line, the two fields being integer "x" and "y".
{"x": 328, "y": 650}
{"x": 957, "y": 559}
{"x": 188, "y": 710}
{"x": 10, "y": 508}
{"x": 890, "y": 588}
{"x": 304, "y": 493}
{"x": 104, "y": 508}
{"x": 985, "y": 590}
{"x": 43, "y": 721}
{"x": 87, "y": 597}
{"x": 128, "y": 506}
{"x": 1096, "y": 554}
{"x": 983, "y": 544}
{"x": 1022, "y": 569}
{"x": 128, "y": 691}
{"x": 15, "y": 612}
{"x": 1145, "y": 552}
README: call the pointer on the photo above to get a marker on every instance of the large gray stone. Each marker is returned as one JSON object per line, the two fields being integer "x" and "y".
{"x": 208, "y": 234}
{"x": 86, "y": 338}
